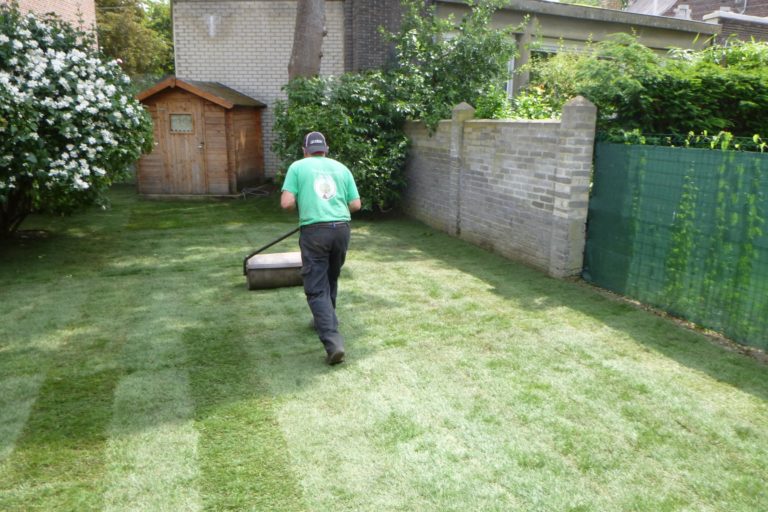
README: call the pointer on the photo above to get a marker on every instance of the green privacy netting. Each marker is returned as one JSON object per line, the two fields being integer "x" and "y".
{"x": 683, "y": 230}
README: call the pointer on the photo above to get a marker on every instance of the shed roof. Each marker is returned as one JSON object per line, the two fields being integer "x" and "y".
{"x": 212, "y": 91}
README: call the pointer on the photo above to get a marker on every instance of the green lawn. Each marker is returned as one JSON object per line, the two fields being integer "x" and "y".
{"x": 138, "y": 373}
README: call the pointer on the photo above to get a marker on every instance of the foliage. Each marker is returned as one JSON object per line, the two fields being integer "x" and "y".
{"x": 362, "y": 126}
{"x": 553, "y": 78}
{"x": 724, "y": 141}
{"x": 720, "y": 88}
{"x": 734, "y": 54}
{"x": 534, "y": 103}
{"x": 68, "y": 123}
{"x": 494, "y": 104}
{"x": 138, "y": 34}
{"x": 439, "y": 64}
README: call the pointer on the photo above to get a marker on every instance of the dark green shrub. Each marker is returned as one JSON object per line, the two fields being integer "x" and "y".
{"x": 361, "y": 123}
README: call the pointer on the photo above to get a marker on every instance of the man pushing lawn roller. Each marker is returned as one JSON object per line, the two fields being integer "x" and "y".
{"x": 325, "y": 193}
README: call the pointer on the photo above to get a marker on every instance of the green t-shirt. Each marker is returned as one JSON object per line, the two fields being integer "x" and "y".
{"x": 323, "y": 188}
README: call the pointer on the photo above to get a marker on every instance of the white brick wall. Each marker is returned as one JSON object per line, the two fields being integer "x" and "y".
{"x": 250, "y": 49}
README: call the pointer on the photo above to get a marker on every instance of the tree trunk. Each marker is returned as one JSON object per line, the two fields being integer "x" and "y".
{"x": 13, "y": 212}
{"x": 307, "y": 39}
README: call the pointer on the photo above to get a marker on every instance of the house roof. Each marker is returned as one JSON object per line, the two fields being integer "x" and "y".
{"x": 212, "y": 91}
{"x": 583, "y": 12}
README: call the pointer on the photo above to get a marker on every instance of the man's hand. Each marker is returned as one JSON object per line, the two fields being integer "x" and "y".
{"x": 287, "y": 201}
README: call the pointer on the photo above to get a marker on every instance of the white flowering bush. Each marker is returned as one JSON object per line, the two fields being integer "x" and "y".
{"x": 69, "y": 125}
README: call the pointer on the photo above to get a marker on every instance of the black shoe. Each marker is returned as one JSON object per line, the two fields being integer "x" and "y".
{"x": 335, "y": 357}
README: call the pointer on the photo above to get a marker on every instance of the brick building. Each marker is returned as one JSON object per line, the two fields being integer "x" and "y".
{"x": 73, "y": 11}
{"x": 246, "y": 44}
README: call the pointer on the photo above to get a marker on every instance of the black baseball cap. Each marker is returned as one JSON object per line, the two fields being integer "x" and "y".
{"x": 314, "y": 142}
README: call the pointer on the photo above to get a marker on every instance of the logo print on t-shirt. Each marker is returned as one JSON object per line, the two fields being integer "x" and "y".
{"x": 325, "y": 187}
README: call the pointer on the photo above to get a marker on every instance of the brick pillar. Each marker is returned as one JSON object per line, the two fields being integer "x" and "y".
{"x": 461, "y": 113}
{"x": 574, "y": 166}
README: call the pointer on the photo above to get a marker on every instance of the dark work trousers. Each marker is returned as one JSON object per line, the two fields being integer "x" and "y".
{"x": 323, "y": 251}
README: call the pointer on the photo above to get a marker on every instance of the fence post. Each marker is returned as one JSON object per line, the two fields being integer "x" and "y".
{"x": 572, "y": 176}
{"x": 461, "y": 113}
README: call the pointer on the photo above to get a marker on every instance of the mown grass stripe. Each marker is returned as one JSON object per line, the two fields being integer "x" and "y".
{"x": 17, "y": 394}
{"x": 243, "y": 456}
{"x": 152, "y": 449}
{"x": 60, "y": 453}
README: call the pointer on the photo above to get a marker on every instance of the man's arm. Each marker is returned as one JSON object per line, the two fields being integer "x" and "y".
{"x": 287, "y": 201}
{"x": 354, "y": 205}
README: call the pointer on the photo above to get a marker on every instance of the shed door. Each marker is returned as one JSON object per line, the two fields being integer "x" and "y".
{"x": 186, "y": 147}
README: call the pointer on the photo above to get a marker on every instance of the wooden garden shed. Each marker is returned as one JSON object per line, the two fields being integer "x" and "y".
{"x": 208, "y": 140}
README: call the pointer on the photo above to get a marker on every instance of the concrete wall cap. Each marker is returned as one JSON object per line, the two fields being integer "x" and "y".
{"x": 579, "y": 101}
{"x": 463, "y": 106}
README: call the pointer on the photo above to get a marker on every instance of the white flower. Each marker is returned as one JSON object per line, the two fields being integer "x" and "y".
{"x": 57, "y": 65}
{"x": 80, "y": 184}
{"x": 17, "y": 45}
{"x": 4, "y": 38}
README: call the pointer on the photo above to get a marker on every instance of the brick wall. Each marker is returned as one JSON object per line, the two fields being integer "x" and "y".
{"x": 249, "y": 49}
{"x": 519, "y": 188}
{"x": 743, "y": 27}
{"x": 68, "y": 10}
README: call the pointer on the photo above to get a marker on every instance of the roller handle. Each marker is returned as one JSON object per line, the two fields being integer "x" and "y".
{"x": 270, "y": 244}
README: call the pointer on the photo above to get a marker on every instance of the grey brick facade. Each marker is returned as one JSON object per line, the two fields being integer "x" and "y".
{"x": 519, "y": 188}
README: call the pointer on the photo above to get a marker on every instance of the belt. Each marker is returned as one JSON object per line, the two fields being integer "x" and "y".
{"x": 327, "y": 224}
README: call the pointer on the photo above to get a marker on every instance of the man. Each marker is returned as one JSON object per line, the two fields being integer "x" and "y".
{"x": 325, "y": 193}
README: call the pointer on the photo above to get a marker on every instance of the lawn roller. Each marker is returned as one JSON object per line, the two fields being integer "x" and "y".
{"x": 273, "y": 270}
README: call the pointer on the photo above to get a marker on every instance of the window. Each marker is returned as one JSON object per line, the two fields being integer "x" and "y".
{"x": 181, "y": 123}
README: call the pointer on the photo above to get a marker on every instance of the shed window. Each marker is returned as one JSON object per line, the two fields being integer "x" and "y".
{"x": 181, "y": 123}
